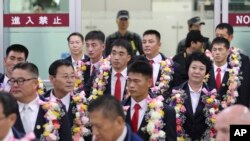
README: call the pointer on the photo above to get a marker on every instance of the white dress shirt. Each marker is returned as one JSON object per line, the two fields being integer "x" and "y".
{"x": 65, "y": 100}
{"x": 9, "y": 136}
{"x": 156, "y": 66}
{"x": 142, "y": 111}
{"x": 32, "y": 112}
{"x": 195, "y": 97}
{"x": 222, "y": 72}
{"x": 123, "y": 78}
{"x": 6, "y": 86}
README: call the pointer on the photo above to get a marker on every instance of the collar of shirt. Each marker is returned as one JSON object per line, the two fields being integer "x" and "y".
{"x": 97, "y": 64}
{"x": 157, "y": 59}
{"x": 223, "y": 68}
{"x": 6, "y": 86}
{"x": 143, "y": 104}
{"x": 123, "y": 73}
{"x": 74, "y": 61}
{"x": 191, "y": 90}
{"x": 65, "y": 100}
{"x": 33, "y": 104}
{"x": 9, "y": 136}
{"x": 123, "y": 135}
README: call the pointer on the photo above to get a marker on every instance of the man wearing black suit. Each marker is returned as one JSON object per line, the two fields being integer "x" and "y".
{"x": 121, "y": 53}
{"x": 62, "y": 78}
{"x": 194, "y": 125}
{"x": 108, "y": 120}
{"x": 8, "y": 106}
{"x": 219, "y": 74}
{"x": 75, "y": 43}
{"x": 15, "y": 54}
{"x": 225, "y": 30}
{"x": 30, "y": 113}
{"x": 138, "y": 82}
{"x": 151, "y": 44}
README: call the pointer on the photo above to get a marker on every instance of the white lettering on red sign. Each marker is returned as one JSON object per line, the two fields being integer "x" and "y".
{"x": 243, "y": 19}
{"x": 57, "y": 20}
{"x": 15, "y": 20}
{"x": 29, "y": 20}
{"x": 43, "y": 20}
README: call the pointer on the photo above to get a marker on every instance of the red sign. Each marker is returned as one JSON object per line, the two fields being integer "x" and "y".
{"x": 36, "y": 20}
{"x": 239, "y": 19}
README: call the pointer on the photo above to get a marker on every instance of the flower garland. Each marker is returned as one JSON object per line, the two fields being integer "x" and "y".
{"x": 166, "y": 67}
{"x": 177, "y": 101}
{"x": 154, "y": 117}
{"x": 234, "y": 78}
{"x": 40, "y": 88}
{"x": 54, "y": 112}
{"x": 211, "y": 109}
{"x": 28, "y": 137}
{"x": 81, "y": 120}
{"x": 80, "y": 69}
{"x": 234, "y": 61}
{"x": 99, "y": 84}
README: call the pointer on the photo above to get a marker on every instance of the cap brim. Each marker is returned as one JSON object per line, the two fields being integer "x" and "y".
{"x": 123, "y": 16}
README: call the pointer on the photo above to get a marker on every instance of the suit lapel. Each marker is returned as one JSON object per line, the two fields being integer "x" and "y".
{"x": 211, "y": 80}
{"x": 18, "y": 124}
{"x": 40, "y": 121}
{"x": 71, "y": 111}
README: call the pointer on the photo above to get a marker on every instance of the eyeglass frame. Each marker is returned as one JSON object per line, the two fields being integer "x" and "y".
{"x": 19, "y": 81}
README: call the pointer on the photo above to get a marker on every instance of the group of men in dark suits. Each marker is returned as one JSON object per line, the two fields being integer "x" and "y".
{"x": 129, "y": 80}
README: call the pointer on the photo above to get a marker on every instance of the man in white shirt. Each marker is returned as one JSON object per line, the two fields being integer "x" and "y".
{"x": 15, "y": 54}
{"x": 31, "y": 114}
{"x": 219, "y": 74}
{"x": 8, "y": 106}
{"x": 151, "y": 45}
{"x": 108, "y": 120}
{"x": 138, "y": 82}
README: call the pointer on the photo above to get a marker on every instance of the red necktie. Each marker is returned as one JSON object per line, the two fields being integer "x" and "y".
{"x": 93, "y": 69}
{"x": 135, "y": 118}
{"x": 218, "y": 79}
{"x": 151, "y": 62}
{"x": 118, "y": 87}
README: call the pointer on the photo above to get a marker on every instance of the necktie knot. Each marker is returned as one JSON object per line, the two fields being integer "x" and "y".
{"x": 218, "y": 70}
{"x": 93, "y": 68}
{"x": 118, "y": 75}
{"x": 151, "y": 62}
{"x": 137, "y": 107}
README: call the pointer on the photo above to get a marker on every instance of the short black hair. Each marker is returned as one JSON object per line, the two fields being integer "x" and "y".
{"x": 141, "y": 67}
{"x": 153, "y": 32}
{"x": 220, "y": 40}
{"x": 58, "y": 63}
{"x": 8, "y": 103}
{"x": 230, "y": 30}
{"x": 124, "y": 44}
{"x": 18, "y": 48}
{"x": 95, "y": 35}
{"x": 109, "y": 105}
{"x": 30, "y": 67}
{"x": 194, "y": 36}
{"x": 201, "y": 57}
{"x": 76, "y": 34}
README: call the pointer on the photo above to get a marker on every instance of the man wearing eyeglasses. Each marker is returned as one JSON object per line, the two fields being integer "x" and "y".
{"x": 15, "y": 54}
{"x": 62, "y": 78}
{"x": 30, "y": 114}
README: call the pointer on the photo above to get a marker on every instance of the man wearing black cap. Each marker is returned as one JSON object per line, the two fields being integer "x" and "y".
{"x": 122, "y": 21}
{"x": 194, "y": 43}
{"x": 193, "y": 24}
